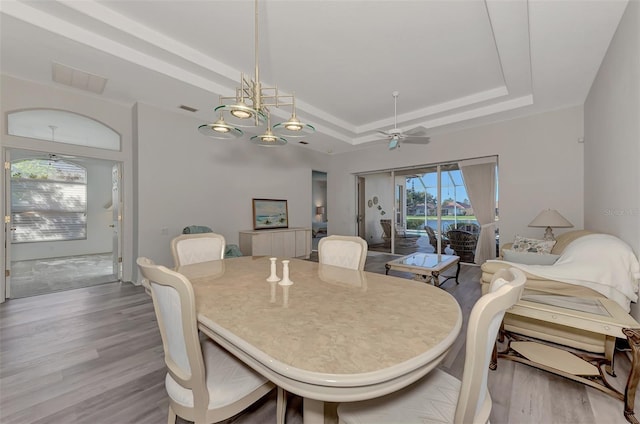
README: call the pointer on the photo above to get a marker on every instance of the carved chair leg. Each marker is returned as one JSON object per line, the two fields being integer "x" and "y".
{"x": 171, "y": 418}
{"x": 633, "y": 337}
{"x": 610, "y": 354}
{"x": 494, "y": 357}
{"x": 281, "y": 405}
{"x": 501, "y": 332}
{"x": 493, "y": 365}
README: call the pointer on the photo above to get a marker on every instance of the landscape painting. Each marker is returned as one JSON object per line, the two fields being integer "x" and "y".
{"x": 270, "y": 213}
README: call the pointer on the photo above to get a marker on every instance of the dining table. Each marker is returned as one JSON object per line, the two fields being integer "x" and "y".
{"x": 333, "y": 335}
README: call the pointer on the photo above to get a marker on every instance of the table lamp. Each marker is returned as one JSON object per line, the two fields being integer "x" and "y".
{"x": 550, "y": 218}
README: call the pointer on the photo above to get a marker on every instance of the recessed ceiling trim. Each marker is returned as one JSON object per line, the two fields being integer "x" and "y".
{"x": 439, "y": 108}
{"x": 76, "y": 33}
{"x": 73, "y": 32}
{"x": 534, "y": 41}
{"x": 463, "y": 116}
{"x": 136, "y": 29}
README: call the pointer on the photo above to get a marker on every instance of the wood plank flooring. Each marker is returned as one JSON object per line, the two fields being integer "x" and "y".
{"x": 94, "y": 355}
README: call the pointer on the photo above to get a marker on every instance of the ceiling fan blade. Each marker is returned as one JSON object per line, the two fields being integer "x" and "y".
{"x": 417, "y": 131}
{"x": 416, "y": 140}
{"x": 384, "y": 133}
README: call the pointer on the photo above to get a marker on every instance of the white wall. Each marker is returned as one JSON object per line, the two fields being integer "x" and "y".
{"x": 612, "y": 137}
{"x": 99, "y": 234}
{"x": 540, "y": 166}
{"x": 186, "y": 178}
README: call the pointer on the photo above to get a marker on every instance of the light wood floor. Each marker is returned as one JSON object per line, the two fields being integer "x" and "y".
{"x": 94, "y": 355}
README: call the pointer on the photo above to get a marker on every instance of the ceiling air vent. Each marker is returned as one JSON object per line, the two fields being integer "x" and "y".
{"x": 188, "y": 108}
{"x": 78, "y": 79}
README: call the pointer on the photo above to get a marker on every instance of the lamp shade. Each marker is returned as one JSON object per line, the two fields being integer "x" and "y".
{"x": 550, "y": 218}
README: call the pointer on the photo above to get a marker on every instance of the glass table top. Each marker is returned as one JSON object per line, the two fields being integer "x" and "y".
{"x": 588, "y": 305}
{"x": 424, "y": 260}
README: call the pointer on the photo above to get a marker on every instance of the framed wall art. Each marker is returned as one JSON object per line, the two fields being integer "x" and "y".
{"x": 270, "y": 213}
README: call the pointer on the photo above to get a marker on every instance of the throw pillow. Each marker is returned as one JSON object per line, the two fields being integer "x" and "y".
{"x": 524, "y": 244}
{"x": 528, "y": 258}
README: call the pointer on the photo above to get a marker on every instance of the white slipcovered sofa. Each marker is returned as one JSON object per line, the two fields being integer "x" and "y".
{"x": 588, "y": 265}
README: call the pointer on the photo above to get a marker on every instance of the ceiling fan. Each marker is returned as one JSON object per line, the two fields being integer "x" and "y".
{"x": 417, "y": 135}
{"x": 52, "y": 157}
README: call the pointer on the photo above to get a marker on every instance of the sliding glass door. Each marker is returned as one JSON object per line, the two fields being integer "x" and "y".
{"x": 428, "y": 203}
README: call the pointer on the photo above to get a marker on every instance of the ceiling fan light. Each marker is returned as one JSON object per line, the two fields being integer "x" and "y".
{"x": 268, "y": 139}
{"x": 241, "y": 114}
{"x": 293, "y": 128}
{"x": 268, "y": 136}
{"x": 241, "y": 111}
{"x": 221, "y": 126}
{"x": 220, "y": 129}
{"x": 393, "y": 143}
{"x": 293, "y": 124}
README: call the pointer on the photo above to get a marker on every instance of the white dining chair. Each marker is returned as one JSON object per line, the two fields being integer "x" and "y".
{"x": 344, "y": 251}
{"x": 440, "y": 397}
{"x": 205, "y": 383}
{"x": 194, "y": 248}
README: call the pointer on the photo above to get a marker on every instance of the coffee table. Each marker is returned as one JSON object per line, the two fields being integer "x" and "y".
{"x": 599, "y": 315}
{"x": 425, "y": 266}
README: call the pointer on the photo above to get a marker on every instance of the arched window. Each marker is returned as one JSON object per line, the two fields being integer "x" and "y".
{"x": 48, "y": 200}
{"x": 62, "y": 127}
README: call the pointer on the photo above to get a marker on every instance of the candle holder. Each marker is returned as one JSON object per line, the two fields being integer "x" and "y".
{"x": 285, "y": 274}
{"x": 273, "y": 277}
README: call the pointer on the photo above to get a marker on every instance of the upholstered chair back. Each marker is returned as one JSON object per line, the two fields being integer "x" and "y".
{"x": 174, "y": 304}
{"x": 474, "y": 403}
{"x": 343, "y": 251}
{"x": 205, "y": 383}
{"x": 194, "y": 248}
{"x": 439, "y": 396}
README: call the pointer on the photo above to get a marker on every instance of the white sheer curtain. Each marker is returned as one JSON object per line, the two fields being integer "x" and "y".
{"x": 480, "y": 182}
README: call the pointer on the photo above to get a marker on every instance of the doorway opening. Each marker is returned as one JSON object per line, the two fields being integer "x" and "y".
{"x": 318, "y": 208}
{"x": 65, "y": 222}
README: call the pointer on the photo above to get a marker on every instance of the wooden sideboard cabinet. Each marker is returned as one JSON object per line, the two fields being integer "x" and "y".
{"x": 281, "y": 243}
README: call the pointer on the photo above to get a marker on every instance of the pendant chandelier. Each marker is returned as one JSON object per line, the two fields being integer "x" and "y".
{"x": 250, "y": 108}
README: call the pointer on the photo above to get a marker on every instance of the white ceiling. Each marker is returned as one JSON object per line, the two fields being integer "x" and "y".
{"x": 455, "y": 63}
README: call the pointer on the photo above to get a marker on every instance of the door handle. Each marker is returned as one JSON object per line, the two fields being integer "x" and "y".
{"x": 112, "y": 225}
